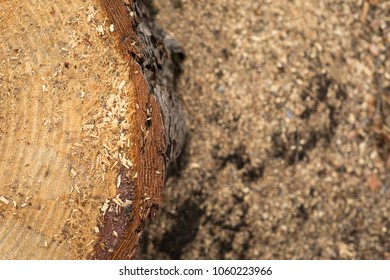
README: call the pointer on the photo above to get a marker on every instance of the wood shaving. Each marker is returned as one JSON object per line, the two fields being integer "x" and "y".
{"x": 4, "y": 200}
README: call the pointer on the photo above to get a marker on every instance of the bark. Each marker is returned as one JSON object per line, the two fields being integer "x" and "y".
{"x": 89, "y": 126}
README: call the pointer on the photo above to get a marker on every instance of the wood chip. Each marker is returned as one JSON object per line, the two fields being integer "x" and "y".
{"x": 117, "y": 202}
{"x": 4, "y": 200}
{"x": 364, "y": 11}
{"x": 121, "y": 85}
{"x": 118, "y": 181}
{"x": 88, "y": 127}
{"x": 105, "y": 206}
{"x": 78, "y": 145}
{"x": 74, "y": 173}
{"x": 127, "y": 203}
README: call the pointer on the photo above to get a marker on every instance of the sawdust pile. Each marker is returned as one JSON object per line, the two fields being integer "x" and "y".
{"x": 287, "y": 104}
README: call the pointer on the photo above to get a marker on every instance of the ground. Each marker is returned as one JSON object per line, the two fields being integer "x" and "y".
{"x": 287, "y": 156}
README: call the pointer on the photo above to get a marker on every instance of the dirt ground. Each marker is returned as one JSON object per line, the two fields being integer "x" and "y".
{"x": 287, "y": 157}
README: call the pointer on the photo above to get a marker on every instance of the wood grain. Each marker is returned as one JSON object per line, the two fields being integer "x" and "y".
{"x": 83, "y": 140}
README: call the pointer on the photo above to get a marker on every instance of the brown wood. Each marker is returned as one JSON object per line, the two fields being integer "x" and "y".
{"x": 88, "y": 126}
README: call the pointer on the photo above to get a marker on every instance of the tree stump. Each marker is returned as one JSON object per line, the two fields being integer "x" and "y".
{"x": 88, "y": 126}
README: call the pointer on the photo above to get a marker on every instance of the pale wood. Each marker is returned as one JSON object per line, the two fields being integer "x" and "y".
{"x": 74, "y": 104}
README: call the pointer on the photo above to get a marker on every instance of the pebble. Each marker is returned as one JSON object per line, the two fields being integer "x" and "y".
{"x": 374, "y": 50}
{"x": 221, "y": 89}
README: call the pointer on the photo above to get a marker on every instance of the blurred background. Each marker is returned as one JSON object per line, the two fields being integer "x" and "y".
{"x": 287, "y": 104}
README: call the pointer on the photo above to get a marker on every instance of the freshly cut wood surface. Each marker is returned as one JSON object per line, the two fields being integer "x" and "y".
{"x": 82, "y": 141}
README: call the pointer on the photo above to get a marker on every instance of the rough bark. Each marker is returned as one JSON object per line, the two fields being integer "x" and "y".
{"x": 89, "y": 125}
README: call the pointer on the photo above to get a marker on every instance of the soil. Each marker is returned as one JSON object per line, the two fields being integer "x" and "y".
{"x": 287, "y": 155}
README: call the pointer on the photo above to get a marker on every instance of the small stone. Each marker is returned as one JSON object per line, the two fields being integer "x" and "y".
{"x": 352, "y": 134}
{"x": 289, "y": 114}
{"x": 351, "y": 118}
{"x": 221, "y": 89}
{"x": 373, "y": 182}
{"x": 374, "y": 50}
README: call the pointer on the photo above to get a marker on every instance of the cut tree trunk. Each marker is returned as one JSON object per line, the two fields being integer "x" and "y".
{"x": 88, "y": 126}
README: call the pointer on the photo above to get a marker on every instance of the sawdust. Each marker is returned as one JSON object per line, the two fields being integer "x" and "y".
{"x": 286, "y": 104}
